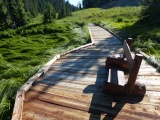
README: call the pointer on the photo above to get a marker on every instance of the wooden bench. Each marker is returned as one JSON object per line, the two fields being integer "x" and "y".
{"x": 116, "y": 83}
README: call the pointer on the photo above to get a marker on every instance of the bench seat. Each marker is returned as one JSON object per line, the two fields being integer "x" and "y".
{"x": 115, "y": 82}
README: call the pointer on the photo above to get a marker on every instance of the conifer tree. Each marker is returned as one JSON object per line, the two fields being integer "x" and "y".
{"x": 67, "y": 6}
{"x": 49, "y": 13}
{"x": 62, "y": 10}
{"x": 3, "y": 14}
{"x": 17, "y": 13}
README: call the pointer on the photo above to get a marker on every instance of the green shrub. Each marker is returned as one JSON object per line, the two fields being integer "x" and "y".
{"x": 119, "y": 19}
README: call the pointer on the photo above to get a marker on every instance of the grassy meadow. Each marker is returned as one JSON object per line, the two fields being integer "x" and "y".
{"x": 24, "y": 50}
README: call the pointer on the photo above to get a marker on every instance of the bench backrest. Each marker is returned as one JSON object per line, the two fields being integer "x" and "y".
{"x": 134, "y": 65}
{"x": 128, "y": 55}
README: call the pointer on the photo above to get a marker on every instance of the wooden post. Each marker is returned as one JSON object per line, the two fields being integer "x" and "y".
{"x": 129, "y": 42}
{"x": 133, "y": 75}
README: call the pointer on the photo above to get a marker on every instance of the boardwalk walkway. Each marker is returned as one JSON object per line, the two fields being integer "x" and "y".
{"x": 71, "y": 88}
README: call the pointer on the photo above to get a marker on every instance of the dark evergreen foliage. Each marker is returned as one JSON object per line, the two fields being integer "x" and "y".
{"x": 15, "y": 13}
{"x": 49, "y": 14}
{"x": 92, "y": 3}
{"x": 151, "y": 9}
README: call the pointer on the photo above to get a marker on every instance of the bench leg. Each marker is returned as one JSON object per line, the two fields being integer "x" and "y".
{"x": 139, "y": 89}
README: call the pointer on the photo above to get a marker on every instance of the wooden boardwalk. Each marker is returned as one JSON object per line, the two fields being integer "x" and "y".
{"x": 71, "y": 88}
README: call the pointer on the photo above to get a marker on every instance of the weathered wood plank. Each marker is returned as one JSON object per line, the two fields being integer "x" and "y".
{"x": 18, "y": 106}
{"x": 53, "y": 75}
{"x": 89, "y": 89}
{"x": 82, "y": 70}
{"x": 84, "y": 106}
{"x": 116, "y": 77}
{"x": 93, "y": 93}
{"x": 79, "y": 63}
{"x": 59, "y": 111}
{"x": 128, "y": 55}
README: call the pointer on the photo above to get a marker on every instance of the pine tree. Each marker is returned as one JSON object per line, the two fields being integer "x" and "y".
{"x": 62, "y": 10}
{"x": 67, "y": 6}
{"x": 17, "y": 13}
{"x": 49, "y": 13}
{"x": 3, "y": 14}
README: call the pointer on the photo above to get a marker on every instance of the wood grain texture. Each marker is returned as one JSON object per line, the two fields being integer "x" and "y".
{"x": 18, "y": 106}
{"x": 128, "y": 55}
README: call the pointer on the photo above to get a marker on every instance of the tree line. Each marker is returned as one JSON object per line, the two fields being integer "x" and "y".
{"x": 15, "y": 13}
{"x": 93, "y": 3}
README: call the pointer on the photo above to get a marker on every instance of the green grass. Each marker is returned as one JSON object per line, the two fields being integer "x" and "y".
{"x": 26, "y": 49}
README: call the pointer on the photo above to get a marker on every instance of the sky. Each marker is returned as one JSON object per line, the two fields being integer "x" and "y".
{"x": 75, "y": 2}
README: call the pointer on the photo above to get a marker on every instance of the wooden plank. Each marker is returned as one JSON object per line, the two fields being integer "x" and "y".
{"x": 149, "y": 82}
{"x": 67, "y": 102}
{"x": 93, "y": 92}
{"x": 81, "y": 82}
{"x": 89, "y": 89}
{"x": 91, "y": 63}
{"x": 89, "y": 55}
{"x": 72, "y": 85}
{"x": 152, "y": 113}
{"x": 116, "y": 77}
{"x": 95, "y": 52}
{"x": 31, "y": 113}
{"x": 105, "y": 47}
{"x": 18, "y": 106}
{"x": 147, "y": 73}
{"x": 84, "y": 57}
{"x": 81, "y": 61}
{"x": 60, "y": 112}
{"x": 53, "y": 75}
{"x": 153, "y": 88}
{"x": 148, "y": 70}
{"x": 82, "y": 70}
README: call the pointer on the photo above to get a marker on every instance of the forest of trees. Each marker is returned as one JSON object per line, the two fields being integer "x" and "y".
{"x": 15, "y": 13}
{"x": 92, "y": 3}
